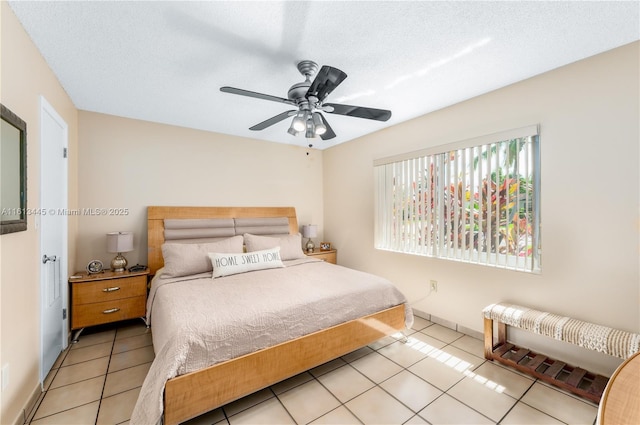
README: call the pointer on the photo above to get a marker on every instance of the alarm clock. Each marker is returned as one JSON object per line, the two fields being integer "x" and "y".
{"x": 94, "y": 266}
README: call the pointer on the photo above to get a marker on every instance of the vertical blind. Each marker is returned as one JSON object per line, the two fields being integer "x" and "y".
{"x": 475, "y": 201}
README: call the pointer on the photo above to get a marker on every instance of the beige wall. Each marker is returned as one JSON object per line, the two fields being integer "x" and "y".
{"x": 24, "y": 78}
{"x": 589, "y": 130}
{"x": 132, "y": 164}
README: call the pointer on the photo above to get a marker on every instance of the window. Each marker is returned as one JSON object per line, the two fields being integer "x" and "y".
{"x": 475, "y": 201}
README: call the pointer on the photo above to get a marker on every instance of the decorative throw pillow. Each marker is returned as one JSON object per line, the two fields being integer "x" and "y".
{"x": 183, "y": 259}
{"x": 290, "y": 245}
{"x": 228, "y": 264}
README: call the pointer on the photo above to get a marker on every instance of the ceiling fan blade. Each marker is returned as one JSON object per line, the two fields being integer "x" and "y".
{"x": 358, "y": 111}
{"x": 329, "y": 134}
{"x": 273, "y": 120}
{"x": 248, "y": 93}
{"x": 326, "y": 80}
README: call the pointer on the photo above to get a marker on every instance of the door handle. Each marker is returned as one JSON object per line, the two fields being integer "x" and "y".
{"x": 46, "y": 259}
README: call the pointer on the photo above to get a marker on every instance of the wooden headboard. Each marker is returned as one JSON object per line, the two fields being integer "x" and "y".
{"x": 157, "y": 215}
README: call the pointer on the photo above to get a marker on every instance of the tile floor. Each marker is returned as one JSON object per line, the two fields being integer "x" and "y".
{"x": 438, "y": 377}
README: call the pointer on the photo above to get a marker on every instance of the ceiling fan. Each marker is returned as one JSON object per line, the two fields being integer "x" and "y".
{"x": 308, "y": 97}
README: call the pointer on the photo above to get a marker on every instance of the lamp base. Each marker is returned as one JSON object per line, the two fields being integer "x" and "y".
{"x": 310, "y": 246}
{"x": 119, "y": 263}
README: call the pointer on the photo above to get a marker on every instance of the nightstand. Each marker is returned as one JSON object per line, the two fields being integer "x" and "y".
{"x": 106, "y": 297}
{"x": 330, "y": 256}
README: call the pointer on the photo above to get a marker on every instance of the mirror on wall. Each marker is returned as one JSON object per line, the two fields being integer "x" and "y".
{"x": 13, "y": 172}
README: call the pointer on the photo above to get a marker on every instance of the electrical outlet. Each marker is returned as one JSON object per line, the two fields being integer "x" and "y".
{"x": 434, "y": 285}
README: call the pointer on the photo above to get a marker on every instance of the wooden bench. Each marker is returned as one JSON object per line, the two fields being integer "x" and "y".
{"x": 579, "y": 381}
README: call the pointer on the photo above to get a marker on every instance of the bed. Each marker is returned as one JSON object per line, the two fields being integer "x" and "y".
{"x": 214, "y": 346}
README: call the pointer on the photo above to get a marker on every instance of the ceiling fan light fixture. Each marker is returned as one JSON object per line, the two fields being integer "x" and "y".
{"x": 292, "y": 131}
{"x": 310, "y": 133}
{"x": 320, "y": 128}
{"x": 299, "y": 122}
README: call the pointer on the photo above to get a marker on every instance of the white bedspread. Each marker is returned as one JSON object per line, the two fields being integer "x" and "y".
{"x": 198, "y": 321}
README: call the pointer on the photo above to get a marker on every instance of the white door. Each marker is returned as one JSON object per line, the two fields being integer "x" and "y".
{"x": 53, "y": 235}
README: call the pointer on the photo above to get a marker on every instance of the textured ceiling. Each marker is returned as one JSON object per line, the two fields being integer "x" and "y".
{"x": 166, "y": 61}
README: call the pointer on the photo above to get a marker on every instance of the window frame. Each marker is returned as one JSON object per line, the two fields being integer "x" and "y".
{"x": 440, "y": 175}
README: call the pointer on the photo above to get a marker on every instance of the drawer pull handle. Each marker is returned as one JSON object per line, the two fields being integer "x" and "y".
{"x": 111, "y": 310}
{"x": 113, "y": 288}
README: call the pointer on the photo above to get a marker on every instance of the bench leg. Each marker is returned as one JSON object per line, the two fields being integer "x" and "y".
{"x": 502, "y": 333}
{"x": 488, "y": 338}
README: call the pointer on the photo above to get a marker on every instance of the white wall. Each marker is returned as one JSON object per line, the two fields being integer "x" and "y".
{"x": 588, "y": 114}
{"x": 25, "y": 77}
{"x": 133, "y": 164}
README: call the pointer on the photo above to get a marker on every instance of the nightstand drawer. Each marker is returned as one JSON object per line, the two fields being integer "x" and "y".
{"x": 108, "y": 311}
{"x": 108, "y": 289}
{"x": 328, "y": 256}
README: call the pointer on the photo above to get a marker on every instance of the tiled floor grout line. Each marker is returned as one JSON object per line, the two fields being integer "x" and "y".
{"x": 403, "y": 368}
{"x": 226, "y": 417}
{"x": 349, "y": 410}
{"x": 114, "y": 340}
{"x": 33, "y": 411}
{"x": 342, "y": 404}
{"x": 113, "y": 345}
{"x": 470, "y": 349}
{"x": 516, "y": 401}
{"x": 106, "y": 373}
{"x": 44, "y": 393}
{"x": 442, "y": 391}
{"x": 281, "y": 403}
{"x": 538, "y": 381}
{"x": 520, "y": 401}
{"x": 37, "y": 404}
{"x": 376, "y": 384}
{"x": 56, "y": 370}
{"x": 61, "y": 411}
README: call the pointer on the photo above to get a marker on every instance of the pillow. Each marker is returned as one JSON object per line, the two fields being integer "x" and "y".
{"x": 290, "y": 245}
{"x": 228, "y": 264}
{"x": 183, "y": 259}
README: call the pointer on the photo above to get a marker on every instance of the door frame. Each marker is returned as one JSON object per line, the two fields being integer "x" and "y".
{"x": 47, "y": 108}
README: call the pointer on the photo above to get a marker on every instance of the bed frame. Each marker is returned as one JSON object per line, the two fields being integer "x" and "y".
{"x": 193, "y": 394}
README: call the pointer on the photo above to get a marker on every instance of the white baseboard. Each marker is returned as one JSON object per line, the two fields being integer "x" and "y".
{"x": 28, "y": 410}
{"x": 449, "y": 324}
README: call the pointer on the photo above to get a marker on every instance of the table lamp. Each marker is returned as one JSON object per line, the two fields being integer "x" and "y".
{"x": 310, "y": 231}
{"x": 119, "y": 242}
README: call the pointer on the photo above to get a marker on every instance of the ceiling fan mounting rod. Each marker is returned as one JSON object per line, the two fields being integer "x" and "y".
{"x": 305, "y": 106}
{"x": 307, "y": 68}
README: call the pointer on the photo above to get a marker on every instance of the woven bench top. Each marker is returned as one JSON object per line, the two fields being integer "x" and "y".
{"x": 594, "y": 337}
